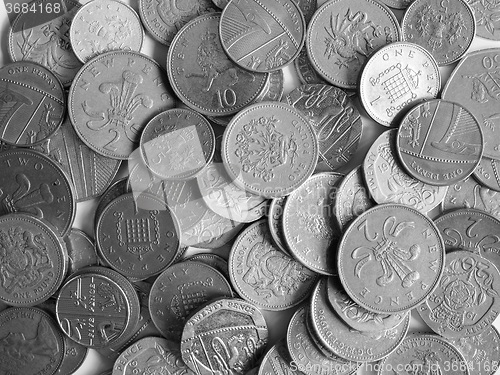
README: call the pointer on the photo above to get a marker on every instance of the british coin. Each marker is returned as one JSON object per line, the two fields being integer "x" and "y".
{"x": 472, "y": 230}
{"x": 177, "y": 144}
{"x": 486, "y": 15}
{"x": 387, "y": 182}
{"x": 101, "y": 26}
{"x": 74, "y": 357}
{"x": 81, "y": 250}
{"x": 34, "y": 260}
{"x": 43, "y": 37}
{"x": 344, "y": 33}
{"x": 212, "y": 260}
{"x": 466, "y": 301}
{"x": 335, "y": 119}
{"x": 32, "y": 103}
{"x": 345, "y": 342}
{"x": 277, "y": 361}
{"x": 223, "y": 197}
{"x": 275, "y": 222}
{"x": 164, "y": 18}
{"x": 473, "y": 85}
{"x": 395, "y": 78}
{"x": 228, "y": 334}
{"x": 439, "y": 142}
{"x": 391, "y": 258}
{"x": 273, "y": 91}
{"x": 138, "y": 235}
{"x": 181, "y": 289}
{"x": 422, "y": 351}
{"x": 445, "y": 29}
{"x": 397, "y": 4}
{"x": 89, "y": 172}
{"x": 221, "y": 4}
{"x": 116, "y": 189}
{"x": 262, "y": 37}
{"x": 481, "y": 352}
{"x": 265, "y": 276}
{"x": 305, "y": 70}
{"x": 151, "y": 355}
{"x": 306, "y": 356}
{"x": 31, "y": 343}
{"x": 308, "y": 7}
{"x": 352, "y": 198}
{"x": 487, "y": 173}
{"x": 32, "y": 183}
{"x": 113, "y": 97}
{"x": 469, "y": 194}
{"x": 309, "y": 225}
{"x": 202, "y": 75}
{"x": 356, "y": 316}
{"x": 269, "y": 149}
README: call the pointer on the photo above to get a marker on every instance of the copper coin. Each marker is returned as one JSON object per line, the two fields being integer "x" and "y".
{"x": 81, "y": 250}
{"x": 31, "y": 343}
{"x": 265, "y": 276}
{"x": 225, "y": 335}
{"x": 466, "y": 301}
{"x": 105, "y": 25}
{"x": 344, "y": 33}
{"x": 138, "y": 236}
{"x": 112, "y": 99}
{"x": 180, "y": 290}
{"x": 335, "y": 119}
{"x": 32, "y": 260}
{"x": 32, "y": 103}
{"x": 262, "y": 36}
{"x": 269, "y": 149}
{"x": 488, "y": 173}
{"x": 395, "y": 78}
{"x": 177, "y": 144}
{"x": 309, "y": 225}
{"x": 390, "y": 258}
{"x": 43, "y": 37}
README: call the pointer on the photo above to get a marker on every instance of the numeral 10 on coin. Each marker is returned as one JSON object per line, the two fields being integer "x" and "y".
{"x": 227, "y": 98}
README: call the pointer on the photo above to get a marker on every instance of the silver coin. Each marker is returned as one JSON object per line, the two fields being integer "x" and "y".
{"x": 486, "y": 15}
{"x": 277, "y": 361}
{"x": 397, "y": 4}
{"x": 488, "y": 173}
{"x": 305, "y": 71}
{"x": 275, "y": 221}
{"x": 81, "y": 250}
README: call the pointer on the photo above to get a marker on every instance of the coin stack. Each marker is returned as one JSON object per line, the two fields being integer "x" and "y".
{"x": 224, "y": 190}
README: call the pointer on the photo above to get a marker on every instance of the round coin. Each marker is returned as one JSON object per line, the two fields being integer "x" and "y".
{"x": 262, "y": 36}
{"x": 74, "y": 356}
{"x": 397, "y": 4}
{"x": 112, "y": 99}
{"x": 105, "y": 25}
{"x": 226, "y": 334}
{"x": 275, "y": 221}
{"x": 42, "y": 37}
{"x": 118, "y": 188}
{"x": 265, "y": 276}
{"x": 488, "y": 173}
{"x": 305, "y": 70}
{"x": 425, "y": 352}
{"x": 335, "y": 119}
{"x": 177, "y": 144}
{"x": 277, "y": 361}
{"x": 466, "y": 301}
{"x": 309, "y": 226}
{"x": 32, "y": 103}
{"x": 395, "y": 78}
{"x": 390, "y": 258}
{"x": 308, "y": 7}
{"x": 269, "y": 149}
{"x": 445, "y": 29}
{"x": 138, "y": 235}
{"x": 344, "y": 33}
{"x": 212, "y": 260}
{"x": 487, "y": 23}
{"x": 81, "y": 250}
{"x": 439, "y": 142}
{"x": 31, "y": 343}
{"x": 202, "y": 75}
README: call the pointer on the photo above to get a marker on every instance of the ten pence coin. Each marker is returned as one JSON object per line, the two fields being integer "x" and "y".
{"x": 269, "y": 149}
{"x": 390, "y": 258}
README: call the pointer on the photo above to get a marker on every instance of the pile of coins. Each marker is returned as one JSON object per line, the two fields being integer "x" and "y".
{"x": 219, "y": 156}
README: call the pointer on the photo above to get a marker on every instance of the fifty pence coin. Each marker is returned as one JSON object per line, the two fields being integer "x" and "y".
{"x": 466, "y": 301}
{"x": 344, "y": 33}
{"x": 228, "y": 334}
{"x": 262, "y": 36}
{"x": 265, "y": 276}
{"x": 32, "y": 103}
{"x": 487, "y": 23}
{"x": 390, "y": 258}
{"x": 488, "y": 173}
{"x": 439, "y": 142}
{"x": 269, "y": 149}
{"x": 43, "y": 37}
{"x": 34, "y": 184}
{"x": 395, "y": 78}
{"x": 112, "y": 99}
{"x": 204, "y": 77}
{"x": 105, "y": 25}
{"x": 445, "y": 29}
{"x": 335, "y": 119}
{"x": 81, "y": 250}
